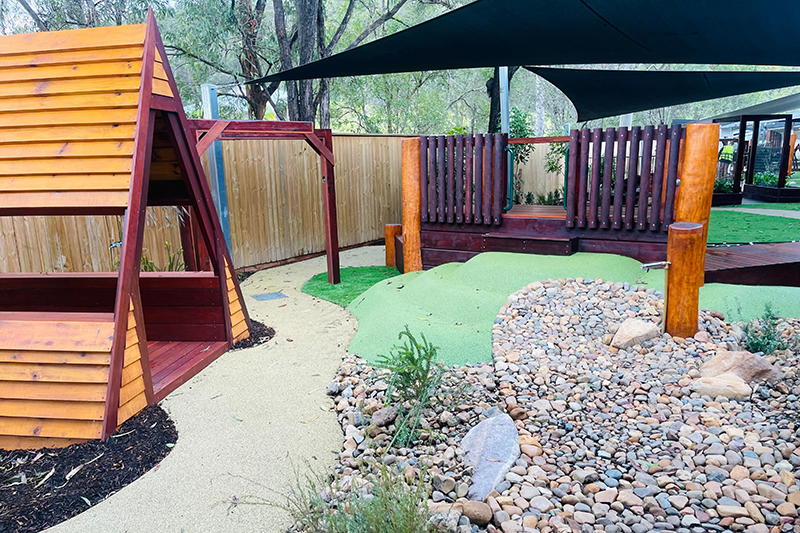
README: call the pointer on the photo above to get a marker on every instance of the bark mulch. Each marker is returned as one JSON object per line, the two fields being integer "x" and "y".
{"x": 40, "y": 488}
{"x": 259, "y": 334}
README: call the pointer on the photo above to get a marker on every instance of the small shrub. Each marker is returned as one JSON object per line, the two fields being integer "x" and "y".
{"x": 554, "y": 159}
{"x": 391, "y": 506}
{"x": 766, "y": 178}
{"x": 415, "y": 375}
{"x": 552, "y": 198}
{"x": 763, "y": 335}
{"x": 723, "y": 185}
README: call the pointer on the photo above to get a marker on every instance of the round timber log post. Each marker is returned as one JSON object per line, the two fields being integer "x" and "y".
{"x": 391, "y": 230}
{"x": 686, "y": 249}
{"x": 412, "y": 209}
{"x": 697, "y": 177}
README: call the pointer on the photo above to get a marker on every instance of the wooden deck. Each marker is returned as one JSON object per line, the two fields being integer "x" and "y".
{"x": 754, "y": 264}
{"x": 173, "y": 363}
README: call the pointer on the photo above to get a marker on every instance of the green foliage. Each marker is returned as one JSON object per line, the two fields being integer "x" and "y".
{"x": 355, "y": 280}
{"x": 519, "y": 126}
{"x": 766, "y": 178}
{"x": 458, "y": 130}
{"x": 391, "y": 506}
{"x": 174, "y": 261}
{"x": 554, "y": 159}
{"x": 552, "y": 198}
{"x": 416, "y": 373}
{"x": 723, "y": 185}
{"x": 762, "y": 335}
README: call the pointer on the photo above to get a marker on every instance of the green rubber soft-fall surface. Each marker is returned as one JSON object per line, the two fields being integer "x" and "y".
{"x": 455, "y": 305}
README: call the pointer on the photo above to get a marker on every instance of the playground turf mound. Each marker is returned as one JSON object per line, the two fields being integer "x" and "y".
{"x": 455, "y": 305}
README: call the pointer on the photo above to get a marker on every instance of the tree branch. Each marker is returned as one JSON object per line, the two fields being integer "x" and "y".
{"x": 342, "y": 27}
{"x": 35, "y": 16}
{"x": 377, "y": 23}
{"x": 183, "y": 52}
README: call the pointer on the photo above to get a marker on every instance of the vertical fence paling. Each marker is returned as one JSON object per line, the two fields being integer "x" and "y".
{"x": 423, "y": 166}
{"x": 644, "y": 179}
{"x": 608, "y": 169}
{"x": 459, "y": 179}
{"x": 572, "y": 173}
{"x": 619, "y": 184}
{"x": 633, "y": 171}
{"x": 462, "y": 178}
{"x": 658, "y": 178}
{"x": 469, "y": 185}
{"x": 605, "y": 187}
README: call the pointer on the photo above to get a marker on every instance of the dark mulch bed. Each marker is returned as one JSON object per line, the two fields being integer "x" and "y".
{"x": 259, "y": 334}
{"x": 41, "y": 488}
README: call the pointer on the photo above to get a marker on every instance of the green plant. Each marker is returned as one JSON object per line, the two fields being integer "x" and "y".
{"x": 530, "y": 199}
{"x": 390, "y": 506}
{"x": 519, "y": 126}
{"x": 174, "y": 261}
{"x": 723, "y": 185}
{"x": 415, "y": 374}
{"x": 762, "y": 335}
{"x": 766, "y": 178}
{"x": 554, "y": 158}
{"x": 552, "y": 198}
{"x": 458, "y": 130}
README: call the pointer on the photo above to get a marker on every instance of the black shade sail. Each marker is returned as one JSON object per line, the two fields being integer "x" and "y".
{"x": 489, "y": 33}
{"x": 606, "y": 93}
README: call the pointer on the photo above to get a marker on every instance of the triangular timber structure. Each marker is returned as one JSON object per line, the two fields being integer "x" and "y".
{"x": 91, "y": 123}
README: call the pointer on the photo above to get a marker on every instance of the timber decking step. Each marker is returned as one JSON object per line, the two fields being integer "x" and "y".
{"x": 174, "y": 363}
{"x": 522, "y": 243}
{"x": 754, "y": 264}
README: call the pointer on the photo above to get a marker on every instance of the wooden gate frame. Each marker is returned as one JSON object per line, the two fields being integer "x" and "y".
{"x": 321, "y": 141}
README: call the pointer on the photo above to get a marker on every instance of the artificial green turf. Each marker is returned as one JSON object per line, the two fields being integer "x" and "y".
{"x": 355, "y": 280}
{"x": 783, "y": 207}
{"x": 739, "y": 227}
{"x": 455, "y": 305}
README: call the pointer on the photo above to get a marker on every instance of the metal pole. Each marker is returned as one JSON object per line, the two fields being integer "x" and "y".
{"x": 505, "y": 128}
{"x": 216, "y": 166}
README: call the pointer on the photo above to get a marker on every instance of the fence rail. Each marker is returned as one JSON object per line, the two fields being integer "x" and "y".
{"x": 463, "y": 178}
{"x": 623, "y": 179}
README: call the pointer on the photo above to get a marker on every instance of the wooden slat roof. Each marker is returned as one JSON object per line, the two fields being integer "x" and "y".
{"x": 68, "y": 113}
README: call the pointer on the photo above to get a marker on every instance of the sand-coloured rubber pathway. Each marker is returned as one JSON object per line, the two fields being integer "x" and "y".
{"x": 246, "y": 421}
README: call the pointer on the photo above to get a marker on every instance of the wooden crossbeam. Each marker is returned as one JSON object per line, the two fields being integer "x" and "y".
{"x": 212, "y": 135}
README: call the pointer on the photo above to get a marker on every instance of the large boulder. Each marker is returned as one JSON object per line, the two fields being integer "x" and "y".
{"x": 491, "y": 448}
{"x": 728, "y": 384}
{"x": 744, "y": 364}
{"x": 634, "y": 331}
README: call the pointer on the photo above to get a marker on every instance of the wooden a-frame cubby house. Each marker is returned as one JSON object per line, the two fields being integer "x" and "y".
{"x": 91, "y": 123}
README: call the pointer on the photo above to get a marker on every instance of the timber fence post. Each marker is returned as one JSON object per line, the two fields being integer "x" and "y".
{"x": 686, "y": 249}
{"x": 412, "y": 209}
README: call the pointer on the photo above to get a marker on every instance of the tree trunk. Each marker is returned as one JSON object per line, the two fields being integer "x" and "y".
{"x": 493, "y": 91}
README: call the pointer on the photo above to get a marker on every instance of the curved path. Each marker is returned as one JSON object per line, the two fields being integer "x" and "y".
{"x": 247, "y": 421}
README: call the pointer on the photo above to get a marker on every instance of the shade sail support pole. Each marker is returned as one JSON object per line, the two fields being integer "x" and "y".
{"x": 216, "y": 163}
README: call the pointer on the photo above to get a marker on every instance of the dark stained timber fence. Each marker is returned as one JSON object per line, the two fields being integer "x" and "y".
{"x": 463, "y": 178}
{"x": 623, "y": 179}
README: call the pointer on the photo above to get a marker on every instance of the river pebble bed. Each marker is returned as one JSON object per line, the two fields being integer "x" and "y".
{"x": 612, "y": 438}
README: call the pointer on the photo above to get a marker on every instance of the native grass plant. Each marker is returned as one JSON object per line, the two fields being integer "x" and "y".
{"x": 174, "y": 261}
{"x": 386, "y": 504}
{"x": 554, "y": 197}
{"x": 762, "y": 335}
{"x": 415, "y": 375}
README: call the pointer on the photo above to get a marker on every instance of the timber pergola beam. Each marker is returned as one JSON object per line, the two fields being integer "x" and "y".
{"x": 321, "y": 141}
